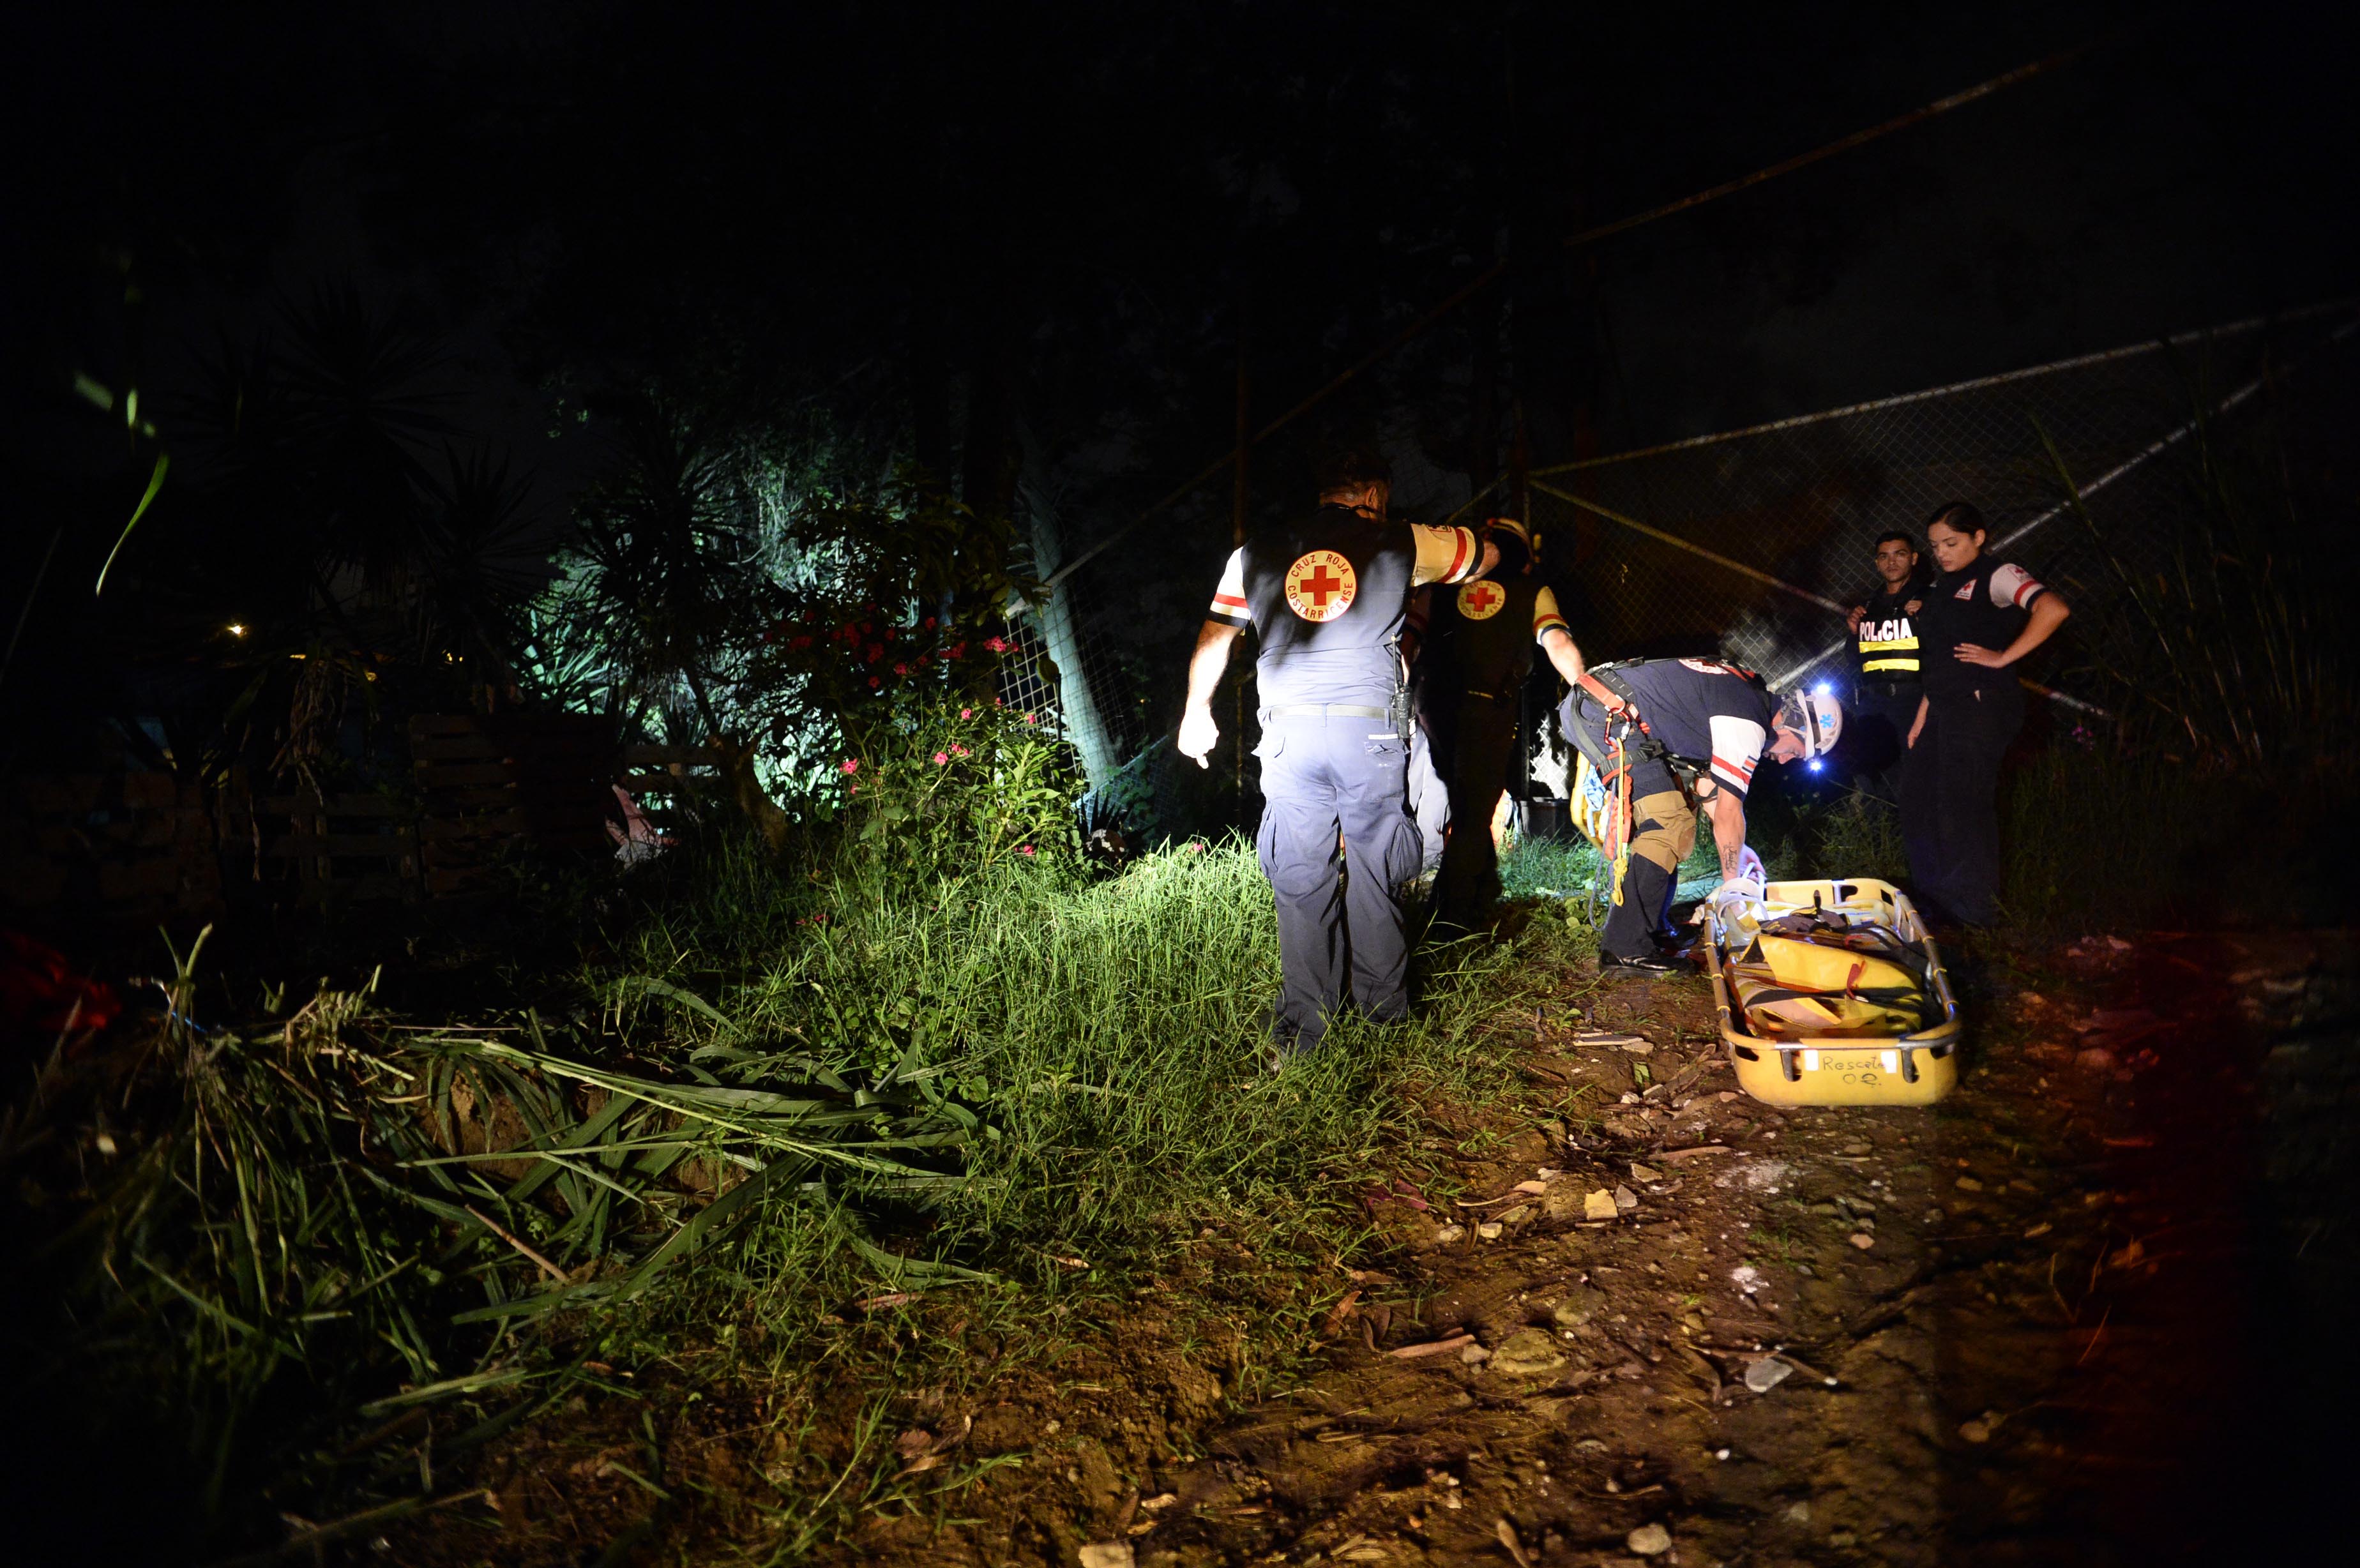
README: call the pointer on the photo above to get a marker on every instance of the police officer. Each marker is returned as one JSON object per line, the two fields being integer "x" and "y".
{"x": 1688, "y": 732}
{"x": 1980, "y": 617}
{"x": 1884, "y": 663}
{"x": 1477, "y": 649}
{"x": 1326, "y": 596}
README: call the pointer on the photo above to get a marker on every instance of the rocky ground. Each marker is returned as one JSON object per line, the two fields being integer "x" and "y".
{"x": 2087, "y": 1310}
{"x": 2047, "y": 1321}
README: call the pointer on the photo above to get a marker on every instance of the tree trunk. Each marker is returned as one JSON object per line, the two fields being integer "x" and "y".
{"x": 1060, "y": 631}
{"x": 930, "y": 389}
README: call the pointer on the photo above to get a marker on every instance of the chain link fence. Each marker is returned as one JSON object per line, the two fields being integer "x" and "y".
{"x": 1746, "y": 545}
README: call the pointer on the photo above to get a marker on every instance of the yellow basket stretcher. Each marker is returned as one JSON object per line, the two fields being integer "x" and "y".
{"x": 1864, "y": 1056}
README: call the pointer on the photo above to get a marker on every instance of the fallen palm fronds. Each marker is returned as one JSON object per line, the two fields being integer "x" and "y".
{"x": 329, "y": 1202}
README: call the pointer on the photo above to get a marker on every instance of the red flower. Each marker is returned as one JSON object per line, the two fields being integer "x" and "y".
{"x": 900, "y": 670}
{"x": 875, "y": 684}
{"x": 929, "y": 623}
{"x": 876, "y": 652}
{"x": 956, "y": 650}
{"x": 801, "y": 643}
{"x": 998, "y": 645}
{"x": 849, "y": 765}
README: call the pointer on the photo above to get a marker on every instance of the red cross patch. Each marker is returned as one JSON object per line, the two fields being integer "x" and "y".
{"x": 1319, "y": 586}
{"x": 1481, "y": 600}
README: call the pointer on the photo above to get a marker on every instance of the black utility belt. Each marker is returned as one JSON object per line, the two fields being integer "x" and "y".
{"x": 1893, "y": 688}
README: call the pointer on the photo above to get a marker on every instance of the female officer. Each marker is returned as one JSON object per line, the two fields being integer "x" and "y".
{"x": 1980, "y": 616}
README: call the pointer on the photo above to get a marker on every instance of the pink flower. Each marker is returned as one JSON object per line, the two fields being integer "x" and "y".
{"x": 849, "y": 766}
{"x": 957, "y": 750}
{"x": 998, "y": 645}
{"x": 941, "y": 758}
{"x": 1023, "y": 849}
{"x": 1030, "y": 720}
{"x": 967, "y": 712}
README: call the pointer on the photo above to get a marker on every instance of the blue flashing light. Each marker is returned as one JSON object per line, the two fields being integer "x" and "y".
{"x": 1824, "y": 688}
{"x": 1816, "y": 764}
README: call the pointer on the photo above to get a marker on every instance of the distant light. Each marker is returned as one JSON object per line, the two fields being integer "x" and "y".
{"x": 235, "y": 630}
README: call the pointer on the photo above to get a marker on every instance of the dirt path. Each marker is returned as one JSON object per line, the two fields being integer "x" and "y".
{"x": 2020, "y": 1327}
{"x": 2088, "y": 1310}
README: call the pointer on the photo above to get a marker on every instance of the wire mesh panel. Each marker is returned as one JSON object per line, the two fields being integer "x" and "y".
{"x": 1792, "y": 509}
{"x": 1749, "y": 543}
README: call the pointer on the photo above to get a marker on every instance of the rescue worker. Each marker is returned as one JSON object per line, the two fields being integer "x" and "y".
{"x": 1884, "y": 689}
{"x": 1981, "y": 617}
{"x": 1477, "y": 651}
{"x": 1688, "y": 732}
{"x": 1326, "y": 595}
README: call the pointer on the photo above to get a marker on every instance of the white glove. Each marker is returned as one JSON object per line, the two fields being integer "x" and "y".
{"x": 1738, "y": 896}
{"x": 1749, "y": 865}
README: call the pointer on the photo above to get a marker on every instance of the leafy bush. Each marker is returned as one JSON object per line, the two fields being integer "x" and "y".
{"x": 963, "y": 789}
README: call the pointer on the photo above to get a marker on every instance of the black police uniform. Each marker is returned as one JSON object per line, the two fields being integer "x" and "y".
{"x": 1885, "y": 684}
{"x": 1717, "y": 719}
{"x": 1478, "y": 652}
{"x": 1949, "y": 781}
{"x": 1326, "y": 596}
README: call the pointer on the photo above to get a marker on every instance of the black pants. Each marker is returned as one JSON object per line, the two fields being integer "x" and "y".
{"x": 1876, "y": 736}
{"x": 1482, "y": 741}
{"x": 1662, "y": 834}
{"x": 1322, "y": 779}
{"x": 1950, "y": 801}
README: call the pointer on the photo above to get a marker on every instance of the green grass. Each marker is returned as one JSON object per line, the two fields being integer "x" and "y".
{"x": 1020, "y": 1090}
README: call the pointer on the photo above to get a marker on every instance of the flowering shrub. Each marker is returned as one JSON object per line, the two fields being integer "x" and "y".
{"x": 961, "y": 789}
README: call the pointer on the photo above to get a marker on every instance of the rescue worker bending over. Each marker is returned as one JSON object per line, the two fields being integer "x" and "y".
{"x": 1688, "y": 732}
{"x": 1477, "y": 649}
{"x": 1326, "y": 595}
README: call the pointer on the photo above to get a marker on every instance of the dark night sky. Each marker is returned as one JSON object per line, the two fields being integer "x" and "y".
{"x": 588, "y": 193}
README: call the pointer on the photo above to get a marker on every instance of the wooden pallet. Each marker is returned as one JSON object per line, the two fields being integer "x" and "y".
{"x": 121, "y": 849}
{"x": 494, "y": 783}
{"x": 343, "y": 848}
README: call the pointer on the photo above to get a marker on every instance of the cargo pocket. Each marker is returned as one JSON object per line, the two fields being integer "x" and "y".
{"x": 1406, "y": 855}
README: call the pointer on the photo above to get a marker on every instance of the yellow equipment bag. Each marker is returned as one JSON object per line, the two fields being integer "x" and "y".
{"x": 1847, "y": 985}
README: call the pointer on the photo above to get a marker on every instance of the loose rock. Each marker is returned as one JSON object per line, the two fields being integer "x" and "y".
{"x": 1578, "y": 1308}
{"x": 1625, "y": 1199}
{"x": 1767, "y": 1374}
{"x": 1600, "y": 1205}
{"x": 1108, "y": 1554}
{"x": 1863, "y": 1240}
{"x": 1649, "y": 1541}
{"x": 1527, "y": 1353}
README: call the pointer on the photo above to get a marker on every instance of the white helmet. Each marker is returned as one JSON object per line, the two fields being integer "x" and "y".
{"x": 1816, "y": 717}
